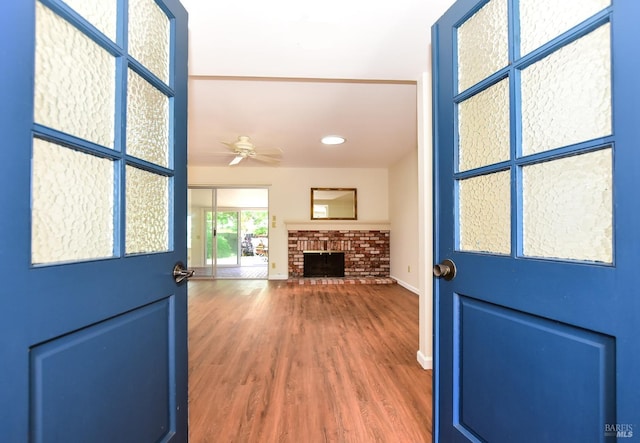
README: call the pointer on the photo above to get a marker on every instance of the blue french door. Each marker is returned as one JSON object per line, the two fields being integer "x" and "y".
{"x": 93, "y": 326}
{"x": 536, "y": 178}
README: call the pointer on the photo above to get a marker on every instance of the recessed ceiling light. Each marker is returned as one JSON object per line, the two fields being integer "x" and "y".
{"x": 332, "y": 140}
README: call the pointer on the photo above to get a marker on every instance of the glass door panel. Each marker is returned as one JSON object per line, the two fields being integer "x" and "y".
{"x": 86, "y": 73}
{"x": 227, "y": 238}
{"x": 483, "y": 123}
{"x": 254, "y": 226}
{"x": 566, "y": 96}
{"x": 482, "y": 44}
{"x": 200, "y": 232}
{"x": 568, "y": 208}
{"x": 557, "y": 17}
{"x": 72, "y": 205}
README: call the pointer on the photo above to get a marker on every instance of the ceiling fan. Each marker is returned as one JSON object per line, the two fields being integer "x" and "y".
{"x": 244, "y": 149}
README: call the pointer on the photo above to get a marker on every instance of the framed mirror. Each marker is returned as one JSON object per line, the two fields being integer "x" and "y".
{"x": 334, "y": 204}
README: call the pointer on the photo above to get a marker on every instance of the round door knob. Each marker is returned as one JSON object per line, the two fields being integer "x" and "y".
{"x": 446, "y": 270}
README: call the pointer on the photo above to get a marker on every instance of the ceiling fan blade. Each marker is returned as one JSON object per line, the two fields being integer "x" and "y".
{"x": 271, "y": 152}
{"x": 230, "y": 146}
{"x": 226, "y": 154}
{"x": 266, "y": 159}
{"x": 236, "y": 160}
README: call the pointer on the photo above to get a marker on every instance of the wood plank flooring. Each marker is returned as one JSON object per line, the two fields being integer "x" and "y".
{"x": 275, "y": 362}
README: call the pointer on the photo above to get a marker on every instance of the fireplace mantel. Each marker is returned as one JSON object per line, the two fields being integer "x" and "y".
{"x": 336, "y": 225}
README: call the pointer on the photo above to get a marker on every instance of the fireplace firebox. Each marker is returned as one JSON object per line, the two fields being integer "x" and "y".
{"x": 323, "y": 264}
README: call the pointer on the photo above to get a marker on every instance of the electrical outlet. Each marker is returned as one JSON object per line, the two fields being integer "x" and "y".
{"x": 273, "y": 265}
{"x": 408, "y": 268}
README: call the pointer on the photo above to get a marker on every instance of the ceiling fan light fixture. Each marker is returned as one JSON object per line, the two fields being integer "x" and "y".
{"x": 332, "y": 140}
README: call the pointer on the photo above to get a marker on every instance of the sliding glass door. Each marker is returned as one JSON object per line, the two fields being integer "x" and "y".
{"x": 228, "y": 232}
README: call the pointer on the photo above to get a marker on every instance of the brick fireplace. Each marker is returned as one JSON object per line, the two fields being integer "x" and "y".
{"x": 366, "y": 252}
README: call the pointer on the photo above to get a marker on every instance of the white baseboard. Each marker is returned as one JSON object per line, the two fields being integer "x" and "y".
{"x": 406, "y": 285}
{"x": 425, "y": 362}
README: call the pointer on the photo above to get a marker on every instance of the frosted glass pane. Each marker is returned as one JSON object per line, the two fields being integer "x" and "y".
{"x": 485, "y": 213}
{"x": 543, "y": 20}
{"x": 147, "y": 121}
{"x": 74, "y": 82}
{"x": 147, "y": 202}
{"x": 149, "y": 36}
{"x": 100, "y": 13}
{"x": 568, "y": 208}
{"x": 483, "y": 44}
{"x": 566, "y": 97}
{"x": 72, "y": 205}
{"x": 483, "y": 122}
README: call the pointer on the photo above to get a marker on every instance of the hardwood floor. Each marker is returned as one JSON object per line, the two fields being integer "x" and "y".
{"x": 277, "y": 362}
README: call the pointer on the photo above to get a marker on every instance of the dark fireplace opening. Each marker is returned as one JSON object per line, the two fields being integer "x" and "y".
{"x": 323, "y": 264}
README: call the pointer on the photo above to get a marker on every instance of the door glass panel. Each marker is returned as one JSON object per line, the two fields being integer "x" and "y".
{"x": 254, "y": 228}
{"x": 74, "y": 81}
{"x": 100, "y": 13}
{"x": 483, "y": 122}
{"x": 72, "y": 205}
{"x": 483, "y": 44}
{"x": 543, "y": 20}
{"x": 227, "y": 237}
{"x": 568, "y": 208}
{"x": 149, "y": 36}
{"x": 566, "y": 97}
{"x": 485, "y": 213}
{"x": 147, "y": 121}
{"x": 147, "y": 212}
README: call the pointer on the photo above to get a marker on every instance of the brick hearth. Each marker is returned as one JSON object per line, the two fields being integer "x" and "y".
{"x": 366, "y": 252}
{"x": 342, "y": 281}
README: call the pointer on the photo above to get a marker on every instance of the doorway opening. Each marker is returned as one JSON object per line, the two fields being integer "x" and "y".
{"x": 228, "y": 232}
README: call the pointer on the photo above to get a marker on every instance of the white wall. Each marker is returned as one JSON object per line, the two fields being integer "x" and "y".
{"x": 289, "y": 197}
{"x": 403, "y": 215}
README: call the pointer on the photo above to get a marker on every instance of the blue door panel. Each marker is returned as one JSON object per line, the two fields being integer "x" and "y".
{"x": 551, "y": 296}
{"x": 97, "y": 350}
{"x": 502, "y": 353}
{"x": 105, "y": 297}
{"x": 120, "y": 369}
{"x": 529, "y": 349}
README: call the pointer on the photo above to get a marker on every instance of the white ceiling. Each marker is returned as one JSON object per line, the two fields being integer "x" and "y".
{"x": 287, "y": 72}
